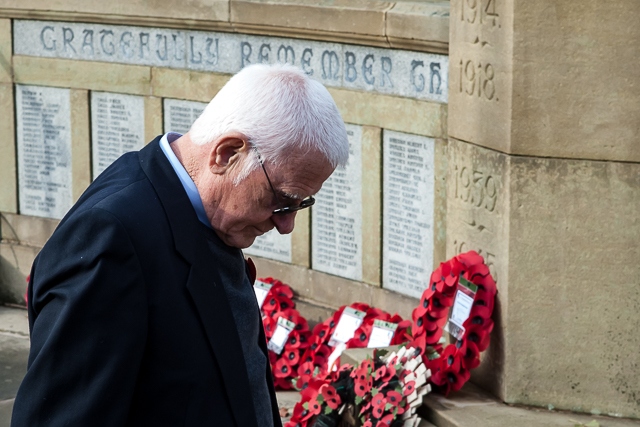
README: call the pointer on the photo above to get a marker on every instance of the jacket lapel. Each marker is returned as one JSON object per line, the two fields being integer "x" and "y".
{"x": 204, "y": 282}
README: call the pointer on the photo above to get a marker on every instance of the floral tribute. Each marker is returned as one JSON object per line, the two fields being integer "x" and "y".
{"x": 277, "y": 304}
{"x": 451, "y": 365}
{"x": 319, "y": 350}
{"x": 380, "y": 392}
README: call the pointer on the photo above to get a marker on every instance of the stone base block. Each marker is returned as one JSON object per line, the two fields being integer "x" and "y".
{"x": 561, "y": 237}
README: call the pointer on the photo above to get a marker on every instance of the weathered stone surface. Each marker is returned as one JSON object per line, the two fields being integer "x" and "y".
{"x": 182, "y": 84}
{"x": 399, "y": 114}
{"x": 301, "y": 239}
{"x": 346, "y": 16}
{"x": 80, "y": 143}
{"x": 336, "y": 226}
{"x": 408, "y": 212}
{"x": 15, "y": 265}
{"x": 44, "y": 150}
{"x": 8, "y": 159}
{"x": 427, "y": 22}
{"x": 117, "y": 127}
{"x": 6, "y": 51}
{"x": 474, "y": 407}
{"x": 552, "y": 80}
{"x": 82, "y": 75}
{"x": 395, "y": 72}
{"x": 26, "y": 230}
{"x": 372, "y": 205}
{"x": 153, "y": 125}
{"x": 560, "y": 237}
{"x": 215, "y": 10}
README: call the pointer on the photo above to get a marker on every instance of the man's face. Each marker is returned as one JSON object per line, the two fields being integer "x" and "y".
{"x": 244, "y": 211}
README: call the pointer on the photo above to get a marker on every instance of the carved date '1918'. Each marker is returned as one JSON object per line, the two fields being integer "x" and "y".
{"x": 479, "y": 11}
{"x": 476, "y": 188}
{"x": 478, "y": 82}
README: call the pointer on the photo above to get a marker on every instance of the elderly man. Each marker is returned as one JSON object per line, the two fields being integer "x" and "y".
{"x": 140, "y": 305}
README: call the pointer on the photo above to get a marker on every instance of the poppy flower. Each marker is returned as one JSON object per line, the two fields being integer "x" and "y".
{"x": 385, "y": 421}
{"x": 305, "y": 368}
{"x": 291, "y": 356}
{"x": 380, "y": 372}
{"x": 393, "y": 397}
{"x": 300, "y": 413}
{"x": 367, "y": 423}
{"x": 330, "y": 396}
{"x": 281, "y": 369}
{"x": 409, "y": 387}
{"x": 378, "y": 400}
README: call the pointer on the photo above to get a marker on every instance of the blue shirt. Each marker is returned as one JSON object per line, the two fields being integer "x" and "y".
{"x": 185, "y": 179}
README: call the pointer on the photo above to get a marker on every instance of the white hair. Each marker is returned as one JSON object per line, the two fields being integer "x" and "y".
{"x": 281, "y": 111}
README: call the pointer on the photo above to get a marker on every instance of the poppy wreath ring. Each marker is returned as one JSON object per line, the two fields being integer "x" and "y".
{"x": 451, "y": 366}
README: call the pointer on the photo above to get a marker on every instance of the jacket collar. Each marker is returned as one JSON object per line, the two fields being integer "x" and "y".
{"x": 204, "y": 282}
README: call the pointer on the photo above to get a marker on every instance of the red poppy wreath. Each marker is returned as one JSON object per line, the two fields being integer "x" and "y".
{"x": 460, "y": 299}
{"x": 287, "y": 332}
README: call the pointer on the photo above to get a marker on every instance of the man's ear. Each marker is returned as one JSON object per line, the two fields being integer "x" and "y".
{"x": 226, "y": 152}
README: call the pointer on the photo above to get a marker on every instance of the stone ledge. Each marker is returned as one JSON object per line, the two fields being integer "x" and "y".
{"x": 472, "y": 406}
{"x": 26, "y": 230}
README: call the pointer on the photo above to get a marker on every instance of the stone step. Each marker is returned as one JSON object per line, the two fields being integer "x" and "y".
{"x": 14, "y": 352}
{"x": 473, "y": 407}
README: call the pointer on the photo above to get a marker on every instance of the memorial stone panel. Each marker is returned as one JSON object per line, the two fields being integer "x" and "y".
{"x": 336, "y": 223}
{"x": 408, "y": 212}
{"x": 272, "y": 245}
{"x": 117, "y": 127}
{"x": 389, "y": 71}
{"x": 44, "y": 150}
{"x": 179, "y": 115}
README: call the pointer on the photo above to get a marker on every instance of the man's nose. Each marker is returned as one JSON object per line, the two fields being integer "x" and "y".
{"x": 284, "y": 223}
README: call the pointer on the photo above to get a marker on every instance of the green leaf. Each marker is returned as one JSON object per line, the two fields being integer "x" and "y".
{"x": 374, "y": 391}
{"x": 388, "y": 406}
{"x": 358, "y": 400}
{"x": 305, "y": 405}
{"x": 320, "y": 399}
{"x": 327, "y": 410}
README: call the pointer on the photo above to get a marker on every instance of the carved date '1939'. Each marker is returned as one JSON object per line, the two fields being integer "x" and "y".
{"x": 478, "y": 82}
{"x": 476, "y": 188}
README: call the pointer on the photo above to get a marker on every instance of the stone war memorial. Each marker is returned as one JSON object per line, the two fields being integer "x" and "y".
{"x": 506, "y": 127}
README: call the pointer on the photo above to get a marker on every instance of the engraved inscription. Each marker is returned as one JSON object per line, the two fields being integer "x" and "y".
{"x": 389, "y": 71}
{"x": 477, "y": 79}
{"x": 475, "y": 187}
{"x": 408, "y": 186}
{"x": 272, "y": 245}
{"x": 117, "y": 127}
{"x": 337, "y": 216}
{"x": 479, "y": 11}
{"x": 44, "y": 150}
{"x": 179, "y": 115}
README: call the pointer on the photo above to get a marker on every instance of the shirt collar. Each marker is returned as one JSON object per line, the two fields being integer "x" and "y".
{"x": 187, "y": 183}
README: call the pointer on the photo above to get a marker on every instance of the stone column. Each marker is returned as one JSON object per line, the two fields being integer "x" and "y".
{"x": 544, "y": 180}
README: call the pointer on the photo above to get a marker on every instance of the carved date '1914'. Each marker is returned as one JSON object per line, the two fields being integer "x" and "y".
{"x": 478, "y": 82}
{"x": 479, "y": 11}
{"x": 476, "y": 188}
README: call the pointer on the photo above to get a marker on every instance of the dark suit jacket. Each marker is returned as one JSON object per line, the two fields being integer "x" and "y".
{"x": 130, "y": 323}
